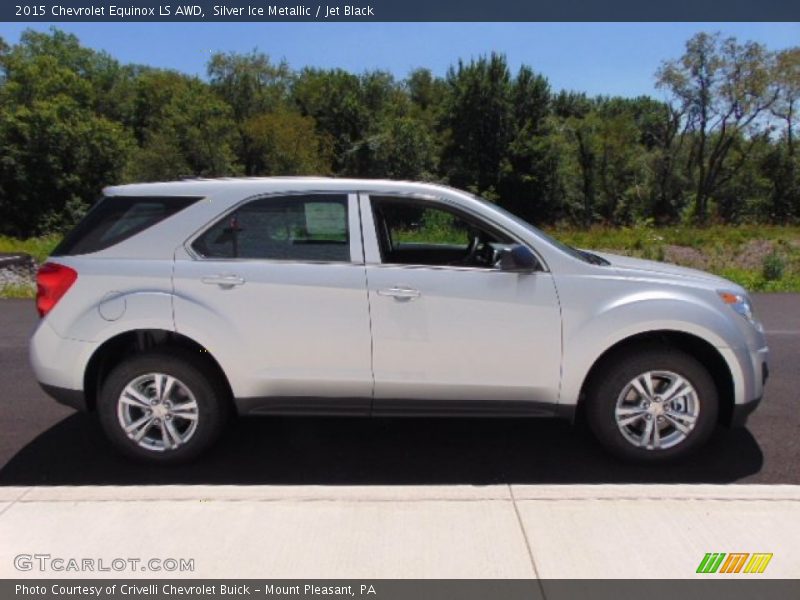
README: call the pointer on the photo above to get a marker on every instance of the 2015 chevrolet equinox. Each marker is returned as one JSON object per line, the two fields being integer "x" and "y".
{"x": 172, "y": 305}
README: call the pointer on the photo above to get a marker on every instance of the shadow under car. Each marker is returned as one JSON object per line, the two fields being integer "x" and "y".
{"x": 375, "y": 451}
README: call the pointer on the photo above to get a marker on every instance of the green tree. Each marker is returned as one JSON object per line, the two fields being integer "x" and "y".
{"x": 73, "y": 120}
{"x": 721, "y": 88}
{"x": 286, "y": 143}
{"x": 58, "y": 147}
{"x": 55, "y": 157}
{"x": 251, "y": 85}
{"x": 403, "y": 148}
{"x": 189, "y": 131}
{"x": 152, "y": 99}
{"x": 478, "y": 117}
{"x": 746, "y": 190}
{"x": 529, "y": 184}
{"x": 425, "y": 91}
{"x": 786, "y": 80}
{"x": 333, "y": 99}
{"x": 42, "y": 65}
{"x": 571, "y": 104}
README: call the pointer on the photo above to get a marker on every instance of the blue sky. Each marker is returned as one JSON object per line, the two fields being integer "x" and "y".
{"x": 598, "y": 58}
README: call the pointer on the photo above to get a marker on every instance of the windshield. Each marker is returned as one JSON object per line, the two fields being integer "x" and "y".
{"x": 574, "y": 252}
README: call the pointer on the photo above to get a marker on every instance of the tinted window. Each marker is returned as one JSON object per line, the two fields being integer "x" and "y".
{"x": 418, "y": 232}
{"x": 409, "y": 223}
{"x": 117, "y": 218}
{"x": 287, "y": 228}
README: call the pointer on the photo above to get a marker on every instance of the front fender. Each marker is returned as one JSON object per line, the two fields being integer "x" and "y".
{"x": 587, "y": 339}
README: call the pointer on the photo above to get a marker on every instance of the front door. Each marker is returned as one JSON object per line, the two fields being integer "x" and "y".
{"x": 447, "y": 324}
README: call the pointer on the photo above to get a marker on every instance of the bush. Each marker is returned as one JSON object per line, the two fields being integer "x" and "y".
{"x": 773, "y": 267}
{"x": 38, "y": 247}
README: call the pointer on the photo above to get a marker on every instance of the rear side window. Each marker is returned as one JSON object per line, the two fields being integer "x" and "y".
{"x": 304, "y": 228}
{"x": 117, "y": 218}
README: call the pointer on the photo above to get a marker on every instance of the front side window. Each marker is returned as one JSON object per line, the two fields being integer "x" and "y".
{"x": 303, "y": 228}
{"x": 416, "y": 232}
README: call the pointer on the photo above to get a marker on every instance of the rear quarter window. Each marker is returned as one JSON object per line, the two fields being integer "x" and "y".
{"x": 117, "y": 218}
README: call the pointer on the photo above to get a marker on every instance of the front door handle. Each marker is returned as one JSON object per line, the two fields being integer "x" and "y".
{"x": 224, "y": 281}
{"x": 400, "y": 293}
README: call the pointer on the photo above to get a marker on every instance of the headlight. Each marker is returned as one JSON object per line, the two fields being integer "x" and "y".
{"x": 740, "y": 303}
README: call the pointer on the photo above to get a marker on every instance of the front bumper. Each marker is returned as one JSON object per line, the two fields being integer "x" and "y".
{"x": 748, "y": 367}
{"x": 742, "y": 411}
{"x": 73, "y": 398}
{"x": 754, "y": 374}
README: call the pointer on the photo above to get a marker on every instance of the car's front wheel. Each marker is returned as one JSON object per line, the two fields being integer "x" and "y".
{"x": 652, "y": 405}
{"x": 161, "y": 407}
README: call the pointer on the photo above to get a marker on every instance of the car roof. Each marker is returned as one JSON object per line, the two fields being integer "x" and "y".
{"x": 254, "y": 185}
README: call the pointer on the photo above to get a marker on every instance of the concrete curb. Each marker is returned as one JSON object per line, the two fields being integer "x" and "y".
{"x": 448, "y": 493}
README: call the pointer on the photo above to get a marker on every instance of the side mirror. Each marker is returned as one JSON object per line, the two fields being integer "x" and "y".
{"x": 518, "y": 258}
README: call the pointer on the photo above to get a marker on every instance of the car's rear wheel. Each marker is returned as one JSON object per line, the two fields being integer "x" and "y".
{"x": 162, "y": 407}
{"x": 652, "y": 405}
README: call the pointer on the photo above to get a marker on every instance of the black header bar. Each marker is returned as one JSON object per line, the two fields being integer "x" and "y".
{"x": 398, "y": 10}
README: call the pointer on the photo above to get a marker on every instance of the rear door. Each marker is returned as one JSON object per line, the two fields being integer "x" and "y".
{"x": 277, "y": 287}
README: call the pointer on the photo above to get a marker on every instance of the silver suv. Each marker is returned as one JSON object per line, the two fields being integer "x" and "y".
{"x": 173, "y": 306}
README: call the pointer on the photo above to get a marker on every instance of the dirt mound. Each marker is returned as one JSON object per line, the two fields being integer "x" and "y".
{"x": 686, "y": 256}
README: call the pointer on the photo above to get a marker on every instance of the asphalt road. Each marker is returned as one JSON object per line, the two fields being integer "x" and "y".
{"x": 43, "y": 443}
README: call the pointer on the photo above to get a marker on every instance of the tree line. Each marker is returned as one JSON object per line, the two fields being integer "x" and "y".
{"x": 720, "y": 149}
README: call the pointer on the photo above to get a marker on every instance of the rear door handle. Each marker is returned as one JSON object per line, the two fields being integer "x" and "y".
{"x": 225, "y": 281}
{"x": 399, "y": 293}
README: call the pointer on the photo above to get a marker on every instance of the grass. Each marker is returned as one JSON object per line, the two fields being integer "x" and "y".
{"x": 38, "y": 247}
{"x": 761, "y": 258}
{"x": 18, "y": 291}
{"x": 692, "y": 237}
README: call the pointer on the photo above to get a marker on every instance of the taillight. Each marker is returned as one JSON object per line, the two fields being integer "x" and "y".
{"x": 52, "y": 282}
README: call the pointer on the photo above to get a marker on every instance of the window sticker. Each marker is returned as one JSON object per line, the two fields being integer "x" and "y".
{"x": 325, "y": 218}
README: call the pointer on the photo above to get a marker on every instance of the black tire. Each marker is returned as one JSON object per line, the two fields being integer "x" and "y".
{"x": 193, "y": 372}
{"x": 613, "y": 379}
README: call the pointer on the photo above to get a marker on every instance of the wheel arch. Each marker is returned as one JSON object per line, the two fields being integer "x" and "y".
{"x": 129, "y": 343}
{"x": 706, "y": 353}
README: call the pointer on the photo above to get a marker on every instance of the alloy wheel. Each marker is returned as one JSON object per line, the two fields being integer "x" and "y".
{"x": 657, "y": 410}
{"x": 158, "y": 412}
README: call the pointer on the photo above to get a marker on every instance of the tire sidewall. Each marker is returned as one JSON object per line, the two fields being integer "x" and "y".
{"x": 211, "y": 409}
{"x": 620, "y": 371}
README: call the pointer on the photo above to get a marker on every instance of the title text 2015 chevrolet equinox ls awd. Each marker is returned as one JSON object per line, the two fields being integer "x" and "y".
{"x": 172, "y": 305}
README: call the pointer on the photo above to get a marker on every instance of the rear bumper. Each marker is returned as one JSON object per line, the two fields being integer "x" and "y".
{"x": 58, "y": 362}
